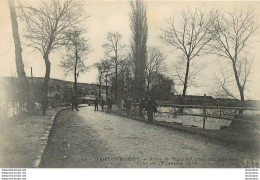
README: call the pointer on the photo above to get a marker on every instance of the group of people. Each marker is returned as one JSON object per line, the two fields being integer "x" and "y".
{"x": 149, "y": 105}
{"x": 102, "y": 103}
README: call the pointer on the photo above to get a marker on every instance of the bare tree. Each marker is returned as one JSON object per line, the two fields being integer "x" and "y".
{"x": 153, "y": 65}
{"x": 195, "y": 69}
{"x": 76, "y": 54}
{"x": 103, "y": 68}
{"x": 114, "y": 50}
{"x": 24, "y": 83}
{"x": 232, "y": 37}
{"x": 100, "y": 74}
{"x": 224, "y": 84}
{"x": 139, "y": 28}
{"x": 190, "y": 37}
{"x": 46, "y": 25}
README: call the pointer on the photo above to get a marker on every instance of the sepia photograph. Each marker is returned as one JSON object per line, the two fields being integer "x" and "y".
{"x": 129, "y": 84}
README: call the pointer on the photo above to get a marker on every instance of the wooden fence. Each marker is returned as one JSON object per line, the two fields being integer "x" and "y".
{"x": 205, "y": 109}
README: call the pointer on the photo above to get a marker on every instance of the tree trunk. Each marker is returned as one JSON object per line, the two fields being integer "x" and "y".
{"x": 75, "y": 76}
{"x": 123, "y": 83}
{"x": 106, "y": 87}
{"x": 99, "y": 87}
{"x": 112, "y": 89}
{"x": 186, "y": 78}
{"x": 240, "y": 88}
{"x": 45, "y": 85}
{"x": 17, "y": 43}
{"x": 139, "y": 76}
{"x": 148, "y": 85}
{"x": 241, "y": 91}
{"x": 185, "y": 83}
{"x": 24, "y": 83}
{"x": 115, "y": 90}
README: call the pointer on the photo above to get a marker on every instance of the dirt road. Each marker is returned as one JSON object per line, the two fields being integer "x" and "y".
{"x": 96, "y": 139}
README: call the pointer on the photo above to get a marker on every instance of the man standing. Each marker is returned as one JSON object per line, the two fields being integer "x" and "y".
{"x": 102, "y": 103}
{"x": 141, "y": 107}
{"x": 109, "y": 105}
{"x": 128, "y": 105}
{"x": 96, "y": 104}
{"x": 74, "y": 103}
{"x": 151, "y": 109}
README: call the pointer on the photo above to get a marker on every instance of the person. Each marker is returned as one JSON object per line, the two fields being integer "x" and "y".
{"x": 151, "y": 109}
{"x": 109, "y": 105}
{"x": 128, "y": 105}
{"x": 74, "y": 103}
{"x": 141, "y": 107}
{"x": 102, "y": 103}
{"x": 96, "y": 104}
{"x": 122, "y": 105}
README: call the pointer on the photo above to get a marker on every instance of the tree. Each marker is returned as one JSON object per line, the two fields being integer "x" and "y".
{"x": 103, "y": 68}
{"x": 76, "y": 53}
{"x": 114, "y": 50}
{"x": 24, "y": 83}
{"x": 129, "y": 75}
{"x": 139, "y": 28}
{"x": 161, "y": 87}
{"x": 179, "y": 70}
{"x": 127, "y": 68}
{"x": 190, "y": 38}
{"x": 153, "y": 65}
{"x": 46, "y": 27}
{"x": 232, "y": 37}
{"x": 124, "y": 76}
{"x": 100, "y": 74}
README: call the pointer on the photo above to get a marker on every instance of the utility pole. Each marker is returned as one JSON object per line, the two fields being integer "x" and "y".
{"x": 32, "y": 76}
{"x": 204, "y": 111}
{"x": 106, "y": 85}
{"x": 32, "y": 89}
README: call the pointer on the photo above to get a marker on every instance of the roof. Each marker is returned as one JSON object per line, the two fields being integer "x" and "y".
{"x": 193, "y": 98}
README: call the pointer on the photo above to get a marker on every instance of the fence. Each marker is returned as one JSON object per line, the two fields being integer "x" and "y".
{"x": 217, "y": 112}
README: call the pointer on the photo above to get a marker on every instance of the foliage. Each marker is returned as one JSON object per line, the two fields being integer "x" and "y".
{"x": 162, "y": 87}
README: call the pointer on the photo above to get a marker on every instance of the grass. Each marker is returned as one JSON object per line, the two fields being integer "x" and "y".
{"x": 20, "y": 138}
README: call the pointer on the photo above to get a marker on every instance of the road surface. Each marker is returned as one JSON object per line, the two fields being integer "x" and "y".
{"x": 89, "y": 138}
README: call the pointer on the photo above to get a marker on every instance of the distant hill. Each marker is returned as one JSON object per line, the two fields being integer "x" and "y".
{"x": 58, "y": 89}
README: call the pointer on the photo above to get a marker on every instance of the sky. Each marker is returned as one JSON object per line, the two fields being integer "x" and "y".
{"x": 112, "y": 16}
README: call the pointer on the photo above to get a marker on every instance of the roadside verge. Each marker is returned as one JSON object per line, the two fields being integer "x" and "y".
{"x": 23, "y": 138}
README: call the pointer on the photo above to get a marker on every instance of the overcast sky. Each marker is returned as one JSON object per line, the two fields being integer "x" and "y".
{"x": 111, "y": 16}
